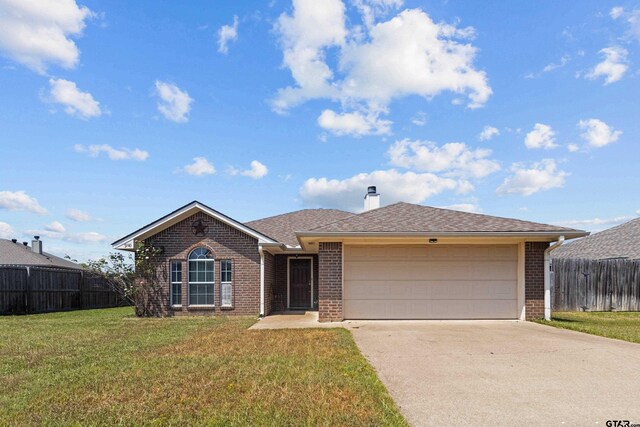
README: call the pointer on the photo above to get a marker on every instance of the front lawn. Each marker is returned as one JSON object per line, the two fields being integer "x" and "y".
{"x": 106, "y": 367}
{"x": 619, "y": 325}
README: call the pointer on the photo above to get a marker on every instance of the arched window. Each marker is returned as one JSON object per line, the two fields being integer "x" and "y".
{"x": 201, "y": 277}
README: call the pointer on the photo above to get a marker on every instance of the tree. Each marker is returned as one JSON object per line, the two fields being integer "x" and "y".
{"x": 137, "y": 280}
{"x": 146, "y": 288}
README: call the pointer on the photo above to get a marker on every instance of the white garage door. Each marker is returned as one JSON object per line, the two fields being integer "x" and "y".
{"x": 430, "y": 282}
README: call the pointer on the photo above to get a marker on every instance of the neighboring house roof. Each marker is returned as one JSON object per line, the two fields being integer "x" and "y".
{"x": 622, "y": 241}
{"x": 19, "y": 254}
{"x": 283, "y": 227}
{"x": 410, "y": 218}
{"x": 182, "y": 213}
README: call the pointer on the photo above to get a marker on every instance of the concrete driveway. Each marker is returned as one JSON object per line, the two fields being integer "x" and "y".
{"x": 502, "y": 373}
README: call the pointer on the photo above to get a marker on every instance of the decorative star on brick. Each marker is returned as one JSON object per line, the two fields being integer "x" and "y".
{"x": 199, "y": 228}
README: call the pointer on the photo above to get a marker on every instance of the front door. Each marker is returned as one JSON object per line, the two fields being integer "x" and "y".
{"x": 300, "y": 283}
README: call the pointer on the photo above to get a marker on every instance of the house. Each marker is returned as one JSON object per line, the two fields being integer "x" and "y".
{"x": 622, "y": 241}
{"x": 600, "y": 272}
{"x": 14, "y": 253}
{"x": 401, "y": 261}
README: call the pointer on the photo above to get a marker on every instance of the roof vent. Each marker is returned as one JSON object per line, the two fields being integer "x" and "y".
{"x": 371, "y": 199}
{"x": 14, "y": 240}
{"x": 25, "y": 243}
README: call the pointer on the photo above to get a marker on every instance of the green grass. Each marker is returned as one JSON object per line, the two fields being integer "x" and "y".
{"x": 620, "y": 325}
{"x": 106, "y": 367}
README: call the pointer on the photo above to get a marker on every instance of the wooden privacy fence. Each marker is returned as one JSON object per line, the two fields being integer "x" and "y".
{"x": 596, "y": 285}
{"x": 39, "y": 290}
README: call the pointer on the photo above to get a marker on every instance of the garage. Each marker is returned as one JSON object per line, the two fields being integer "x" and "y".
{"x": 430, "y": 281}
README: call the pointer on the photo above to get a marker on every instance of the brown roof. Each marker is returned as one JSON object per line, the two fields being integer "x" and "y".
{"x": 18, "y": 254}
{"x": 407, "y": 218}
{"x": 283, "y": 227}
{"x": 622, "y": 241}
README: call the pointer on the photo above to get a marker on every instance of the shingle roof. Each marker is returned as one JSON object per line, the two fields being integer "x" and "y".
{"x": 18, "y": 254}
{"x": 283, "y": 227}
{"x": 407, "y": 217}
{"x": 622, "y": 241}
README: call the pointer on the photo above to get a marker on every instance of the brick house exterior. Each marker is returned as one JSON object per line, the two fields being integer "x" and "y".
{"x": 259, "y": 278}
{"x": 534, "y": 279}
{"x": 226, "y": 243}
{"x": 330, "y": 256}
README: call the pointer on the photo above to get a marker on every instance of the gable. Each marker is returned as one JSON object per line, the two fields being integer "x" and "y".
{"x": 180, "y": 214}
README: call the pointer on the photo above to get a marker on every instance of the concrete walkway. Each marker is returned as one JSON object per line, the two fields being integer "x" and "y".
{"x": 502, "y": 373}
{"x": 294, "y": 320}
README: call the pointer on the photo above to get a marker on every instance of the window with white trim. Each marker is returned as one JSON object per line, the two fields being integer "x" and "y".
{"x": 201, "y": 277}
{"x": 226, "y": 283}
{"x": 176, "y": 282}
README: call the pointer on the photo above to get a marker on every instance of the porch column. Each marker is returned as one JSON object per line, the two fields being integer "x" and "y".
{"x": 330, "y": 281}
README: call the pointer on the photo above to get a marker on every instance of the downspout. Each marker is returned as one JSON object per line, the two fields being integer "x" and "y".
{"x": 547, "y": 278}
{"x": 261, "y": 251}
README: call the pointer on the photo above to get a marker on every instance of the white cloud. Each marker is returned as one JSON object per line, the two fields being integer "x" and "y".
{"x": 412, "y": 55}
{"x": 464, "y": 207}
{"x": 20, "y": 201}
{"x": 51, "y": 232}
{"x": 76, "y": 103}
{"x": 540, "y": 176}
{"x": 616, "y": 12}
{"x": 573, "y": 148}
{"x": 55, "y": 227}
{"x": 597, "y": 133}
{"x": 199, "y": 167}
{"x": 542, "y": 136}
{"x": 356, "y": 124}
{"x": 564, "y": 60}
{"x": 304, "y": 35}
{"x": 633, "y": 22}
{"x": 488, "y": 132}
{"x": 256, "y": 171}
{"x": 420, "y": 118}
{"x": 452, "y": 159}
{"x": 6, "y": 231}
{"x": 613, "y": 67}
{"x": 174, "y": 103}
{"x": 37, "y": 33}
{"x": 372, "y": 9}
{"x": 406, "y": 55}
{"x": 113, "y": 153}
{"x": 394, "y": 186}
{"x": 78, "y": 215}
{"x": 226, "y": 34}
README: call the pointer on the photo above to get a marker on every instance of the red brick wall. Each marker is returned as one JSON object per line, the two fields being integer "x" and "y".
{"x": 534, "y": 279}
{"x": 280, "y": 284}
{"x": 330, "y": 281}
{"x": 226, "y": 243}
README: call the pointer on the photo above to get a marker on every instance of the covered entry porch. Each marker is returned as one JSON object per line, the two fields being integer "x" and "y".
{"x": 295, "y": 285}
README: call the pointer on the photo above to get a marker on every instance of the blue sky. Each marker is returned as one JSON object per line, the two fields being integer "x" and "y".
{"x": 115, "y": 113}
